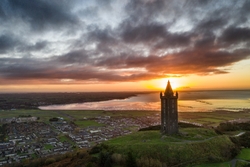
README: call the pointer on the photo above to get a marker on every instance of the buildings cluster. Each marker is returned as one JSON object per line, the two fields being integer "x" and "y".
{"x": 29, "y": 139}
{"x": 33, "y": 138}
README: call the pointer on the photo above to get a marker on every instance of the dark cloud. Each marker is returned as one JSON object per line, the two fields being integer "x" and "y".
{"x": 211, "y": 24}
{"x": 104, "y": 4}
{"x": 244, "y": 12}
{"x": 152, "y": 39}
{"x": 10, "y": 42}
{"x": 30, "y": 69}
{"x": 1, "y": 13}
{"x": 39, "y": 14}
{"x": 154, "y": 34}
{"x": 7, "y": 43}
{"x": 77, "y": 56}
{"x": 144, "y": 11}
{"x": 205, "y": 41}
{"x": 187, "y": 62}
{"x": 38, "y": 46}
{"x": 234, "y": 35}
{"x": 143, "y": 33}
{"x": 101, "y": 35}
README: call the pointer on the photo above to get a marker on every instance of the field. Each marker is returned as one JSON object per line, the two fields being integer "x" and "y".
{"x": 213, "y": 118}
{"x": 87, "y": 123}
{"x": 205, "y": 118}
{"x": 43, "y": 115}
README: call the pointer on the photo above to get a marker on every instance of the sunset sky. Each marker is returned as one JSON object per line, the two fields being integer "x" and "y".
{"x": 123, "y": 45}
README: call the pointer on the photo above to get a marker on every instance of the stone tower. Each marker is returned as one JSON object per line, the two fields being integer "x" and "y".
{"x": 169, "y": 111}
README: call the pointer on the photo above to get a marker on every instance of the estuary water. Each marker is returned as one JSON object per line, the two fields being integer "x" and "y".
{"x": 189, "y": 101}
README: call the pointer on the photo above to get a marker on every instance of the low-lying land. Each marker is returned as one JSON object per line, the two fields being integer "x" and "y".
{"x": 10, "y": 101}
{"x": 202, "y": 118}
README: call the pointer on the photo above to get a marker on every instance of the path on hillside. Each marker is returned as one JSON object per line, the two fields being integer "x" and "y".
{"x": 234, "y": 161}
{"x": 184, "y": 141}
{"x": 240, "y": 134}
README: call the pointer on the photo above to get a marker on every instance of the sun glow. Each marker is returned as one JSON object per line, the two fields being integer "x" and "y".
{"x": 163, "y": 83}
{"x": 160, "y": 84}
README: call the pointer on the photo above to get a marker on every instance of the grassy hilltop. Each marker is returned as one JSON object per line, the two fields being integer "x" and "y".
{"x": 191, "y": 146}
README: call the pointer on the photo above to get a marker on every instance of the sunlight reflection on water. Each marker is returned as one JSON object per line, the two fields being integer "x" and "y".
{"x": 199, "y": 101}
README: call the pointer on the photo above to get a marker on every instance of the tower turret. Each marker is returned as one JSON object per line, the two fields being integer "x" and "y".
{"x": 169, "y": 90}
{"x": 169, "y": 111}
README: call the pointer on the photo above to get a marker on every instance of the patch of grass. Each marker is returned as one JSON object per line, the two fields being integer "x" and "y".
{"x": 34, "y": 155}
{"x": 87, "y": 123}
{"x": 132, "y": 128}
{"x": 132, "y": 113}
{"x": 196, "y": 133}
{"x": 244, "y": 154}
{"x": 80, "y": 114}
{"x": 64, "y": 138}
{"x": 43, "y": 115}
{"x": 48, "y": 146}
{"x": 220, "y": 164}
{"x": 213, "y": 119}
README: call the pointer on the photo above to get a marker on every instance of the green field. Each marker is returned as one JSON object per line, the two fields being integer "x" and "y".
{"x": 244, "y": 154}
{"x": 43, "y": 115}
{"x": 212, "y": 118}
{"x": 87, "y": 123}
{"x": 81, "y": 114}
{"x": 206, "y": 118}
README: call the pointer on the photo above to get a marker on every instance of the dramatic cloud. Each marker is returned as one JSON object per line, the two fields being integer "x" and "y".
{"x": 109, "y": 41}
{"x": 38, "y": 14}
{"x": 7, "y": 43}
{"x": 235, "y": 34}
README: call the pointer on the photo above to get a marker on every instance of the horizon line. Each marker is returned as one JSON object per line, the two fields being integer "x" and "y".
{"x": 146, "y": 91}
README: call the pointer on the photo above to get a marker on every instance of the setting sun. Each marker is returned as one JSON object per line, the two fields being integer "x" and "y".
{"x": 160, "y": 84}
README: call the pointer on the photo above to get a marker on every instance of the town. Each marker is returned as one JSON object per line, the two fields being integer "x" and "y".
{"x": 28, "y": 137}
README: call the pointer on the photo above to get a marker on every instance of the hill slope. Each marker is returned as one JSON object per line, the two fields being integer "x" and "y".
{"x": 192, "y": 146}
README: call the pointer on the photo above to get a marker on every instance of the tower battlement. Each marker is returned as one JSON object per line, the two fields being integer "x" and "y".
{"x": 169, "y": 111}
